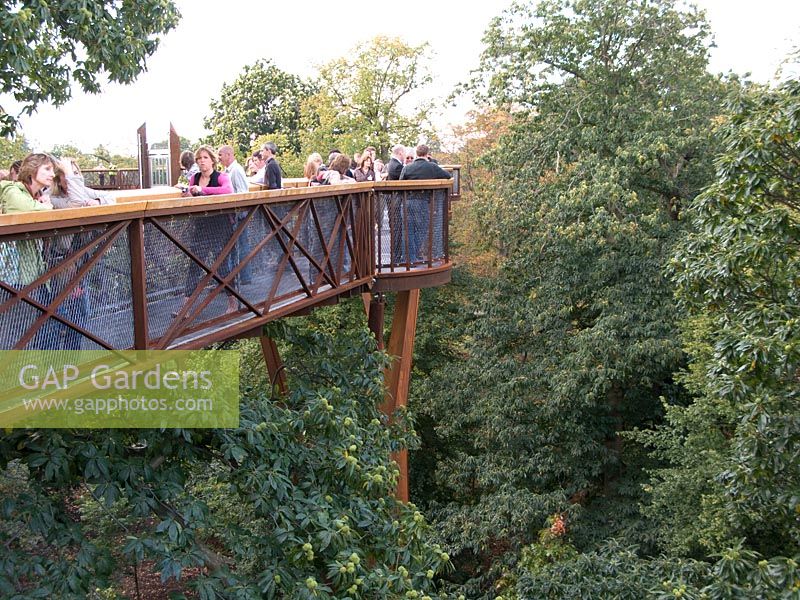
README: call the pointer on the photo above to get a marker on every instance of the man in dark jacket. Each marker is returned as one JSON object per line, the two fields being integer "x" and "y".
{"x": 395, "y": 164}
{"x": 423, "y": 168}
{"x": 272, "y": 175}
{"x": 394, "y": 203}
{"x": 419, "y": 208}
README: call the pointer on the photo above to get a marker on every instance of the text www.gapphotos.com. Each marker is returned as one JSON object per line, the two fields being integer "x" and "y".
{"x": 107, "y": 406}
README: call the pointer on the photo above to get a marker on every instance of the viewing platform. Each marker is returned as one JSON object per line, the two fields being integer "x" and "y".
{"x": 159, "y": 271}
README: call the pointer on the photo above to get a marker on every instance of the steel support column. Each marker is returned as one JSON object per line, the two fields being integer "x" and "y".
{"x": 138, "y": 284}
{"x": 374, "y": 306}
{"x": 277, "y": 374}
{"x": 398, "y": 375}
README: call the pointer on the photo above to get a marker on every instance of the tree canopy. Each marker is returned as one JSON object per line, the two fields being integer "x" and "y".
{"x": 578, "y": 336}
{"x": 262, "y": 100}
{"x": 297, "y": 502}
{"x": 12, "y": 149}
{"x": 47, "y": 46}
{"x": 362, "y": 98}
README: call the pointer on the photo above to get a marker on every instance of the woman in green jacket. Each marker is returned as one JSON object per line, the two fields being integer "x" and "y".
{"x": 21, "y": 262}
{"x": 35, "y": 174}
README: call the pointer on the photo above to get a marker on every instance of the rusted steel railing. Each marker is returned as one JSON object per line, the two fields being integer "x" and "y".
{"x": 187, "y": 272}
{"x": 112, "y": 179}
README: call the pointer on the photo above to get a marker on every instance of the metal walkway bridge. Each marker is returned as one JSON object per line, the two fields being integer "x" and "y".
{"x": 155, "y": 272}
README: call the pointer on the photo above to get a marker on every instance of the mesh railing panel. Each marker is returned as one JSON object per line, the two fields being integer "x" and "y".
{"x": 173, "y": 277}
{"x": 287, "y": 283}
{"x": 262, "y": 276}
{"x": 410, "y": 229}
{"x": 331, "y": 249}
{"x": 97, "y": 302}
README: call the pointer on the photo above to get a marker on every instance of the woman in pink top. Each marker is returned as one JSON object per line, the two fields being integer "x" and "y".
{"x": 208, "y": 181}
{"x": 209, "y": 234}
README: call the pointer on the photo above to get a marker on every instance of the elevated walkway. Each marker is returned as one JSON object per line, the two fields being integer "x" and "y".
{"x": 160, "y": 271}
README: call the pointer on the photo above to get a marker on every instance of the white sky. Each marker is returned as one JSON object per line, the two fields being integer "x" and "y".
{"x": 215, "y": 40}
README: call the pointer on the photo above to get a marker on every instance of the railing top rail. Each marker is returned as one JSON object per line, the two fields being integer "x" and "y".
{"x": 167, "y": 200}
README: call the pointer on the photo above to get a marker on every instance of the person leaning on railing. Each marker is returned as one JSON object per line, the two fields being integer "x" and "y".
{"x": 337, "y": 171}
{"x": 36, "y": 174}
{"x": 208, "y": 181}
{"x": 209, "y": 235}
{"x": 22, "y": 262}
{"x": 70, "y": 190}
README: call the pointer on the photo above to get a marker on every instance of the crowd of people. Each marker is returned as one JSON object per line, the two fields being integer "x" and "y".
{"x": 262, "y": 168}
{"x": 204, "y": 176}
{"x": 405, "y": 163}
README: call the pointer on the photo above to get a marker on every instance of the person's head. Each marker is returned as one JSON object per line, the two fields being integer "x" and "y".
{"x": 378, "y": 166}
{"x": 371, "y": 151}
{"x": 366, "y": 162}
{"x": 409, "y": 157}
{"x": 332, "y": 156}
{"x": 269, "y": 150}
{"x": 313, "y": 163}
{"x": 399, "y": 152}
{"x": 226, "y": 156}
{"x": 340, "y": 163}
{"x": 13, "y": 170}
{"x": 187, "y": 159}
{"x": 60, "y": 185}
{"x": 37, "y": 171}
{"x": 206, "y": 158}
{"x": 258, "y": 159}
{"x": 423, "y": 151}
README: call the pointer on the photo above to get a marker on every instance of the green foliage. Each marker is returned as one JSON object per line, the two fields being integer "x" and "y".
{"x": 361, "y": 96}
{"x": 185, "y": 144}
{"x": 100, "y": 157}
{"x": 262, "y": 100}
{"x": 577, "y": 337}
{"x": 295, "y": 503}
{"x": 734, "y": 451}
{"x": 617, "y": 572}
{"x": 46, "y": 46}
{"x": 12, "y": 149}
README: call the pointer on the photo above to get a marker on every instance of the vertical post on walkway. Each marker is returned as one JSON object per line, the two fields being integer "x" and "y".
{"x": 277, "y": 375}
{"x": 138, "y": 284}
{"x": 398, "y": 375}
{"x": 374, "y": 306}
{"x": 144, "y": 157}
{"x": 174, "y": 155}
